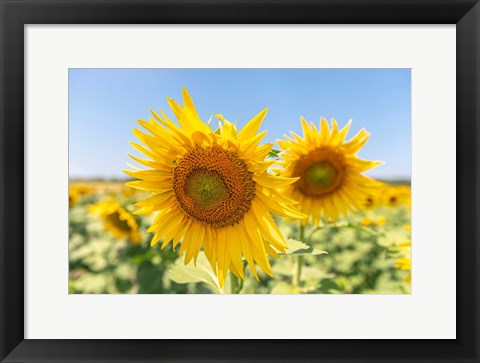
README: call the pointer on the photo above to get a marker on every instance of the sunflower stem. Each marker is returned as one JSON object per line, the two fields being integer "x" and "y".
{"x": 240, "y": 286}
{"x": 236, "y": 284}
{"x": 298, "y": 272}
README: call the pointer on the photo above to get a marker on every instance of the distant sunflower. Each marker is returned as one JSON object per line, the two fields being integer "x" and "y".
{"x": 371, "y": 200}
{"x": 212, "y": 188}
{"x": 78, "y": 191}
{"x": 404, "y": 262}
{"x": 330, "y": 182}
{"x": 127, "y": 192}
{"x": 117, "y": 220}
{"x": 395, "y": 195}
{"x": 367, "y": 221}
{"x": 73, "y": 197}
{"x": 82, "y": 189}
{"x": 402, "y": 253}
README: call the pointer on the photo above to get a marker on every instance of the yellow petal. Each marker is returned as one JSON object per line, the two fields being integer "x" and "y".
{"x": 252, "y": 126}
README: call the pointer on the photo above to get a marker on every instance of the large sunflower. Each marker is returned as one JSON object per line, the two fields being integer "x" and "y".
{"x": 212, "y": 188}
{"x": 330, "y": 182}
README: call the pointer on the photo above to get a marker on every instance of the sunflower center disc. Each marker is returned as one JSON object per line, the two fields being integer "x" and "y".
{"x": 206, "y": 187}
{"x": 122, "y": 225}
{"x": 321, "y": 174}
{"x": 213, "y": 186}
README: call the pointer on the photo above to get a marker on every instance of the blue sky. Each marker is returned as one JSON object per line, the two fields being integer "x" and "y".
{"x": 104, "y": 105}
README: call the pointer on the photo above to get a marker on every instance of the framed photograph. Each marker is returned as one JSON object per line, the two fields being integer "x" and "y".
{"x": 246, "y": 181}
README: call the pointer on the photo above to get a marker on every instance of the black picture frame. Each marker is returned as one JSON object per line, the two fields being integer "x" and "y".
{"x": 15, "y": 14}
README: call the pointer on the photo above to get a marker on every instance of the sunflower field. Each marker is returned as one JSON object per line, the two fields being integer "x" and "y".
{"x": 218, "y": 211}
{"x": 366, "y": 254}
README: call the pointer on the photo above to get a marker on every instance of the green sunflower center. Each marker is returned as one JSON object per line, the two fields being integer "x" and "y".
{"x": 206, "y": 187}
{"x": 321, "y": 175}
{"x": 321, "y": 171}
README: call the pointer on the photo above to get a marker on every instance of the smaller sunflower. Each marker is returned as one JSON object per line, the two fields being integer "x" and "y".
{"x": 73, "y": 197}
{"x": 78, "y": 191}
{"x": 395, "y": 195}
{"x": 331, "y": 181}
{"x": 371, "y": 200}
{"x": 368, "y": 221}
{"x": 117, "y": 220}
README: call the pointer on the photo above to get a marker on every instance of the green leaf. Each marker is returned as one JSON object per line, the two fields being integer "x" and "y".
{"x": 186, "y": 274}
{"x": 149, "y": 278}
{"x": 273, "y": 153}
{"x": 300, "y": 248}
